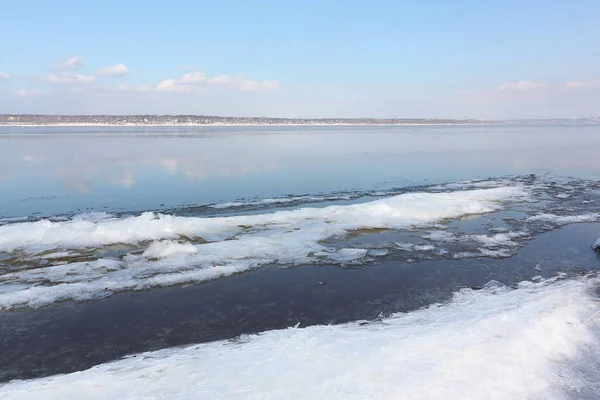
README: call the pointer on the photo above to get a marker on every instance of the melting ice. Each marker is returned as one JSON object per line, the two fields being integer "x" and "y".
{"x": 91, "y": 256}
{"x": 168, "y": 250}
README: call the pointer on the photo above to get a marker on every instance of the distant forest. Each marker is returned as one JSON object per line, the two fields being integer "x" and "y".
{"x": 38, "y": 119}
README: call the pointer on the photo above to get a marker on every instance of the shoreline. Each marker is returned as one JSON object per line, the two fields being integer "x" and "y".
{"x": 91, "y": 125}
{"x": 73, "y": 336}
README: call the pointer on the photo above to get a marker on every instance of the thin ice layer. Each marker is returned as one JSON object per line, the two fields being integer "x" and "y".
{"x": 495, "y": 343}
{"x": 285, "y": 237}
{"x": 566, "y": 219}
{"x": 279, "y": 200}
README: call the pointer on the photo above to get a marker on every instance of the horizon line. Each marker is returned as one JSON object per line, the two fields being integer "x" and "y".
{"x": 294, "y": 118}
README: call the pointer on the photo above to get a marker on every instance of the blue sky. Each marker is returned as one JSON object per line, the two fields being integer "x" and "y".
{"x": 511, "y": 59}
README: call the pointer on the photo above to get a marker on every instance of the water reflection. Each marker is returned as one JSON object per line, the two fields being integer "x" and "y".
{"x": 59, "y": 170}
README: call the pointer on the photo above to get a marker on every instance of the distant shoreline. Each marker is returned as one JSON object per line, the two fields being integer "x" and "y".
{"x": 33, "y": 120}
{"x": 92, "y": 125}
{"x": 203, "y": 120}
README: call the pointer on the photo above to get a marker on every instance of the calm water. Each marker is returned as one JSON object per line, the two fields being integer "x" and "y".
{"x": 62, "y": 170}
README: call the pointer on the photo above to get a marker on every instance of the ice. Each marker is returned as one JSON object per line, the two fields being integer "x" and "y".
{"x": 440, "y": 236}
{"x": 398, "y": 212}
{"x": 378, "y": 252}
{"x": 7, "y": 220}
{"x": 348, "y": 255}
{"x": 596, "y": 246}
{"x": 507, "y": 239}
{"x": 168, "y": 248}
{"x": 466, "y": 254}
{"x": 229, "y": 204}
{"x": 70, "y": 272}
{"x": 495, "y": 286}
{"x": 279, "y": 200}
{"x": 92, "y": 216}
{"x": 500, "y": 253}
{"x": 174, "y": 249}
{"x": 564, "y": 220}
{"x": 494, "y": 343}
{"x": 414, "y": 247}
{"x": 471, "y": 185}
{"x": 499, "y": 245}
{"x": 499, "y": 239}
{"x": 82, "y": 232}
{"x": 57, "y": 254}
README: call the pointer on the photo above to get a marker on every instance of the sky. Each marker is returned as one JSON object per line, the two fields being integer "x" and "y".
{"x": 378, "y": 58}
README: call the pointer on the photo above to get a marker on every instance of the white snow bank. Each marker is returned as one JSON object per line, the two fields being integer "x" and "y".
{"x": 285, "y": 237}
{"x": 167, "y": 248}
{"x": 490, "y": 344}
{"x": 396, "y": 212}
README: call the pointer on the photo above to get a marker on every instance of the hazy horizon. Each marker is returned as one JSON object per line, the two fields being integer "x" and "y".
{"x": 399, "y": 118}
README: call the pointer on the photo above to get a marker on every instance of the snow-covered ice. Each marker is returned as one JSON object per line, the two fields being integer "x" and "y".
{"x": 496, "y": 343}
{"x": 175, "y": 249}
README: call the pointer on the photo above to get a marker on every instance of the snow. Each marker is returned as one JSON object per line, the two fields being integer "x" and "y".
{"x": 57, "y": 254}
{"x": 496, "y": 343}
{"x": 167, "y": 248}
{"x": 396, "y": 212}
{"x": 174, "y": 250}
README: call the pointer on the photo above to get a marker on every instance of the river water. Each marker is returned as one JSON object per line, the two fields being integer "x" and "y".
{"x": 400, "y": 262}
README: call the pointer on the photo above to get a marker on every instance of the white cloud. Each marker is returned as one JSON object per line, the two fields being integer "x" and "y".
{"x": 583, "y": 85}
{"x": 68, "y": 78}
{"x": 520, "y": 85}
{"x": 28, "y": 93}
{"x": 194, "y": 77}
{"x": 170, "y": 85}
{"x": 236, "y": 82}
{"x": 114, "y": 70}
{"x": 72, "y": 63}
{"x": 4, "y": 76}
{"x": 129, "y": 88}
